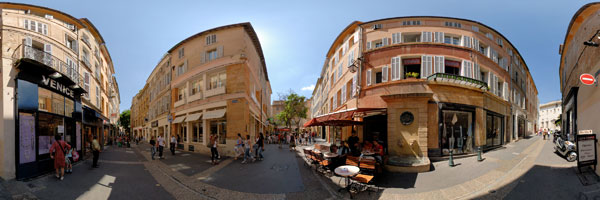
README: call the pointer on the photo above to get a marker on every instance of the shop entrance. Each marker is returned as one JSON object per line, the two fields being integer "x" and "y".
{"x": 494, "y": 130}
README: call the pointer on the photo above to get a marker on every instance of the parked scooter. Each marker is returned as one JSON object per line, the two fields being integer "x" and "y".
{"x": 566, "y": 149}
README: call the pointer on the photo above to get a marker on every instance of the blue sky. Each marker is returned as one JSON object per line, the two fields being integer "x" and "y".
{"x": 296, "y": 35}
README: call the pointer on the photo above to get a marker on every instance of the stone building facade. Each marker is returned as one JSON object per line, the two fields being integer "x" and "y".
{"x": 424, "y": 86}
{"x": 214, "y": 82}
{"x": 58, "y": 79}
{"x": 549, "y": 113}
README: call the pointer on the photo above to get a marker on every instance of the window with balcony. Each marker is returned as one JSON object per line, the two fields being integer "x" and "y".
{"x": 217, "y": 80}
{"x": 197, "y": 86}
{"x": 411, "y": 37}
{"x": 452, "y": 67}
{"x": 483, "y": 48}
{"x": 411, "y": 67}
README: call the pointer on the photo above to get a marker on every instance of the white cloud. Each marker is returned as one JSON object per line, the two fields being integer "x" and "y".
{"x": 309, "y": 88}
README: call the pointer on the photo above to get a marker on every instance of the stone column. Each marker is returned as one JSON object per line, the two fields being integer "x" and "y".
{"x": 480, "y": 126}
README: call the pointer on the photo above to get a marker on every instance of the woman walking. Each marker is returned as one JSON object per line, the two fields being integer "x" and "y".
{"x": 57, "y": 152}
{"x": 213, "y": 150}
{"x": 292, "y": 143}
{"x": 238, "y": 147}
{"x": 247, "y": 145}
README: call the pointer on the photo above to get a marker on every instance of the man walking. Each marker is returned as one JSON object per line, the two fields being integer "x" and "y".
{"x": 161, "y": 146}
{"x": 152, "y": 147}
{"x": 95, "y": 152}
{"x": 173, "y": 144}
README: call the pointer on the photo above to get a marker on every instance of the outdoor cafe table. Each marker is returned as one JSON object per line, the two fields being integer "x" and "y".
{"x": 347, "y": 171}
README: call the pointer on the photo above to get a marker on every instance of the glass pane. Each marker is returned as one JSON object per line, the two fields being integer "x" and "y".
{"x": 27, "y": 95}
{"x": 69, "y": 107}
{"x": 44, "y": 100}
{"x": 48, "y": 126}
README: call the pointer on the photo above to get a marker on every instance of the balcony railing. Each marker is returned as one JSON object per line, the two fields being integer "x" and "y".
{"x": 70, "y": 71}
{"x": 451, "y": 78}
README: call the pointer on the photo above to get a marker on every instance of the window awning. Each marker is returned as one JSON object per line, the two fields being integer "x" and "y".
{"x": 193, "y": 117}
{"x": 178, "y": 119}
{"x": 342, "y": 118}
{"x": 213, "y": 114}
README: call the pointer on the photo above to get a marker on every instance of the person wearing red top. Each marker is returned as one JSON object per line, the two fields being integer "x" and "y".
{"x": 378, "y": 148}
{"x": 57, "y": 152}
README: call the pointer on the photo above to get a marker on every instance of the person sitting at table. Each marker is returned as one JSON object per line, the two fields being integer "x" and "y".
{"x": 367, "y": 146}
{"x": 344, "y": 149}
{"x": 333, "y": 148}
{"x": 378, "y": 150}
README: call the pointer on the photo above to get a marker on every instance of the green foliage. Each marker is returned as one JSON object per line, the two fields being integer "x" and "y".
{"x": 412, "y": 74}
{"x": 125, "y": 120}
{"x": 558, "y": 121}
{"x": 294, "y": 109}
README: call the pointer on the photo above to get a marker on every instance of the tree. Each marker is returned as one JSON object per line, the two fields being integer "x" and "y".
{"x": 125, "y": 119}
{"x": 294, "y": 109}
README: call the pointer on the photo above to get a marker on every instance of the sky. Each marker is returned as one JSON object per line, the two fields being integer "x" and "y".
{"x": 295, "y": 35}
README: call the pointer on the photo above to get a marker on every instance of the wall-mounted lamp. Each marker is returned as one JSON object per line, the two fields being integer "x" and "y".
{"x": 590, "y": 42}
{"x": 355, "y": 63}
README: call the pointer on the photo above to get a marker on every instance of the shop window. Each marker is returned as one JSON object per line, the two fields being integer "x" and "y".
{"x": 197, "y": 132}
{"x": 183, "y": 132}
{"x": 51, "y": 102}
{"x": 48, "y": 126}
{"x": 69, "y": 107}
{"x": 219, "y": 128}
{"x": 457, "y": 132}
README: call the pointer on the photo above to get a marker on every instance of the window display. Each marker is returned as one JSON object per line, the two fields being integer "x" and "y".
{"x": 457, "y": 132}
{"x": 48, "y": 126}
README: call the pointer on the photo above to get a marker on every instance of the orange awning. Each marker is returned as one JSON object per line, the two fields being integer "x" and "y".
{"x": 339, "y": 118}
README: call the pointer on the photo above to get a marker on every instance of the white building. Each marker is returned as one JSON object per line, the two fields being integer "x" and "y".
{"x": 549, "y": 113}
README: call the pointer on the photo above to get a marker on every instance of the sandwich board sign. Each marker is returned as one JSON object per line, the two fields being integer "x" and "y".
{"x": 586, "y": 149}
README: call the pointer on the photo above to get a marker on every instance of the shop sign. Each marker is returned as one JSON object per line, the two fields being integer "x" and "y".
{"x": 48, "y": 82}
{"x": 587, "y": 79}
{"x": 586, "y": 150}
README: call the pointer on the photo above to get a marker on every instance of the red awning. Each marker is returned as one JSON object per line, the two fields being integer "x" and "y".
{"x": 339, "y": 118}
{"x": 451, "y": 63}
{"x": 312, "y": 122}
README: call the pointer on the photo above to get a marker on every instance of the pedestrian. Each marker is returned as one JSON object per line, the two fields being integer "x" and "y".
{"x": 280, "y": 139}
{"x": 95, "y": 152}
{"x": 173, "y": 144}
{"x": 545, "y": 133}
{"x": 260, "y": 147}
{"x": 152, "y": 147}
{"x": 247, "y": 145}
{"x": 57, "y": 152}
{"x": 292, "y": 143}
{"x": 237, "y": 148}
{"x": 69, "y": 160}
{"x": 213, "y": 150}
{"x": 161, "y": 146}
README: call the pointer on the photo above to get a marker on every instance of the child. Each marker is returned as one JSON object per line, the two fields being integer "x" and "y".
{"x": 69, "y": 160}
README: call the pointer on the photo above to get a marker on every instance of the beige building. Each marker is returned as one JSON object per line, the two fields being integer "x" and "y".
{"x": 424, "y": 87}
{"x": 549, "y": 113}
{"x": 58, "y": 78}
{"x": 214, "y": 82}
{"x": 579, "y": 55}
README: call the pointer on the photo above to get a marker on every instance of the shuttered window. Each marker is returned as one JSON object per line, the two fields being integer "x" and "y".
{"x": 439, "y": 37}
{"x": 350, "y": 57}
{"x": 354, "y": 81}
{"x": 426, "y": 66}
{"x": 426, "y": 37}
{"x": 467, "y": 69}
{"x": 384, "y": 74}
{"x": 396, "y": 38}
{"x": 396, "y": 68}
{"x": 369, "y": 77}
{"x": 439, "y": 64}
{"x": 476, "y": 71}
{"x": 466, "y": 42}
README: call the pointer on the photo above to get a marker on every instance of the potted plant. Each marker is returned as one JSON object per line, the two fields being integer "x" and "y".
{"x": 411, "y": 75}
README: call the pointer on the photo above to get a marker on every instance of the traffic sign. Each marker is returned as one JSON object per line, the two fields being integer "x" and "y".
{"x": 587, "y": 79}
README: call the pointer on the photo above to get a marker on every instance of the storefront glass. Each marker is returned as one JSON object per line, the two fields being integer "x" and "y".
{"x": 457, "y": 132}
{"x": 219, "y": 128}
{"x": 494, "y": 130}
{"x": 48, "y": 126}
{"x": 197, "y": 131}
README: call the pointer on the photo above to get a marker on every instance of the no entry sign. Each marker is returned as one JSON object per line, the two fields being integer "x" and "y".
{"x": 587, "y": 79}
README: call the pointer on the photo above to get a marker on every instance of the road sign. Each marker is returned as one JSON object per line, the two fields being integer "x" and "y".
{"x": 587, "y": 79}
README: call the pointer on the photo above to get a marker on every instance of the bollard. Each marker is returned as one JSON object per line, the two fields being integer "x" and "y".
{"x": 479, "y": 154}
{"x": 451, "y": 160}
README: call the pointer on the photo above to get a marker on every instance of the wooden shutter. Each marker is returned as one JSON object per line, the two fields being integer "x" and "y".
{"x": 439, "y": 37}
{"x": 48, "y": 48}
{"x": 475, "y": 44}
{"x": 505, "y": 91}
{"x": 369, "y": 77}
{"x": 463, "y": 68}
{"x": 439, "y": 64}
{"x": 219, "y": 51}
{"x": 45, "y": 31}
{"x": 385, "y": 41}
{"x": 185, "y": 63}
{"x": 423, "y": 67}
{"x": 368, "y": 45}
{"x": 395, "y": 68}
{"x": 476, "y": 71}
{"x": 354, "y": 79}
{"x": 350, "y": 57}
{"x": 204, "y": 57}
{"x": 26, "y": 24}
{"x": 384, "y": 74}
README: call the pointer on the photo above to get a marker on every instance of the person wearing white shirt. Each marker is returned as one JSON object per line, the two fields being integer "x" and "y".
{"x": 161, "y": 146}
{"x": 173, "y": 144}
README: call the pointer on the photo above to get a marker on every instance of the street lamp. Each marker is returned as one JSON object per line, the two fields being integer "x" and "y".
{"x": 355, "y": 63}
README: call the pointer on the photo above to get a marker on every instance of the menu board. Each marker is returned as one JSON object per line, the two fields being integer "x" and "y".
{"x": 586, "y": 150}
{"x": 26, "y": 138}
{"x": 45, "y": 142}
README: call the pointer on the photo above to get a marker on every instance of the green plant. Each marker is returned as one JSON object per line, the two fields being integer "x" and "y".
{"x": 411, "y": 74}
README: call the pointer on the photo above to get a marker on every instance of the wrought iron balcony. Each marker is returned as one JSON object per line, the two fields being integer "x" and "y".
{"x": 69, "y": 71}
{"x": 451, "y": 78}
